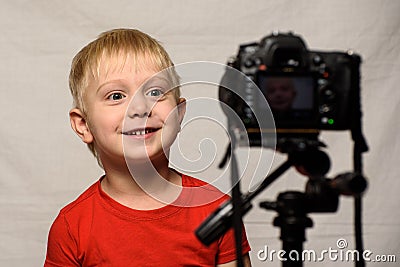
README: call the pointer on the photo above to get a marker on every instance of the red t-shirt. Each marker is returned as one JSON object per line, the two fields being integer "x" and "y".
{"x": 95, "y": 230}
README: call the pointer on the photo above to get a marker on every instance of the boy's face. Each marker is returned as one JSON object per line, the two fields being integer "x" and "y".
{"x": 280, "y": 93}
{"x": 131, "y": 113}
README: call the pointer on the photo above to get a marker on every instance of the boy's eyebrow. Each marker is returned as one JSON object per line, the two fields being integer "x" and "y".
{"x": 155, "y": 78}
{"x": 107, "y": 82}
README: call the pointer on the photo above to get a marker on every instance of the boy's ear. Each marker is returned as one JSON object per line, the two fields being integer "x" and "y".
{"x": 181, "y": 108}
{"x": 79, "y": 125}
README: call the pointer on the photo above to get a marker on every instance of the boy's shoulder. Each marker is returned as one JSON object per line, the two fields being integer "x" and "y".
{"x": 201, "y": 192}
{"x": 190, "y": 181}
{"x": 82, "y": 201}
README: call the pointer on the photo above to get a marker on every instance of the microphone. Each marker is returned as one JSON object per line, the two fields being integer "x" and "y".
{"x": 219, "y": 222}
{"x": 221, "y": 219}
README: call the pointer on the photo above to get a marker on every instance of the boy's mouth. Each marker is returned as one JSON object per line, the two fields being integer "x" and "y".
{"x": 140, "y": 132}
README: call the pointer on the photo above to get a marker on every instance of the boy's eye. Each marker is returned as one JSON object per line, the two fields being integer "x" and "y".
{"x": 155, "y": 92}
{"x": 116, "y": 96}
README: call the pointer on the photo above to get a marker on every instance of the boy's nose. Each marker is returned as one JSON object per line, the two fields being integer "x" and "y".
{"x": 138, "y": 107}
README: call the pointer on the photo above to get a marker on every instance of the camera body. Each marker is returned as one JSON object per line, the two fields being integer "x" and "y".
{"x": 306, "y": 91}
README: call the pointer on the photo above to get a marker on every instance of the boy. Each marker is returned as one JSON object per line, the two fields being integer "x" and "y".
{"x": 141, "y": 212}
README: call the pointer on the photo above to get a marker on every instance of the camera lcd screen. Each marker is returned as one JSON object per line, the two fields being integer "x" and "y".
{"x": 291, "y": 98}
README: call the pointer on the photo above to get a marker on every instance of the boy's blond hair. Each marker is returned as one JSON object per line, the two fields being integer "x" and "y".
{"x": 126, "y": 42}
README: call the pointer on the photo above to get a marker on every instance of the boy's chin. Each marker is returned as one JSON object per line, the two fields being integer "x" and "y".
{"x": 147, "y": 151}
{"x": 141, "y": 156}
{"x": 137, "y": 157}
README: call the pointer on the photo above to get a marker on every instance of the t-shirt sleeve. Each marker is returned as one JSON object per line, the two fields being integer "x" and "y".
{"x": 227, "y": 248}
{"x": 62, "y": 249}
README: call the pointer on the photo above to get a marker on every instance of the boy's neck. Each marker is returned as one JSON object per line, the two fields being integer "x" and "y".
{"x": 144, "y": 185}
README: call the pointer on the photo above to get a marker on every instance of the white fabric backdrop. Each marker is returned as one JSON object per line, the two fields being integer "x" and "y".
{"x": 44, "y": 165}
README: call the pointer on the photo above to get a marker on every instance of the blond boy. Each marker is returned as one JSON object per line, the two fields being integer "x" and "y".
{"x": 140, "y": 212}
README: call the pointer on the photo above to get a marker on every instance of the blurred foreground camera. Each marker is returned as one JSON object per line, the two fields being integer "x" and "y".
{"x": 306, "y": 91}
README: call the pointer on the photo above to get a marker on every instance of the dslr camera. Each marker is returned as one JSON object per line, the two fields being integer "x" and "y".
{"x": 305, "y": 91}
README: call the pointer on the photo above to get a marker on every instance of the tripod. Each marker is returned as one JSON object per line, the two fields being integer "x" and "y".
{"x": 293, "y": 221}
{"x": 322, "y": 195}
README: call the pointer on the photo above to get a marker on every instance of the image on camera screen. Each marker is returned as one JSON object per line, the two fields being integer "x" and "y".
{"x": 291, "y": 98}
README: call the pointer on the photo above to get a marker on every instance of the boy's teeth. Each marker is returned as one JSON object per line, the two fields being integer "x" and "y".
{"x": 141, "y": 132}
